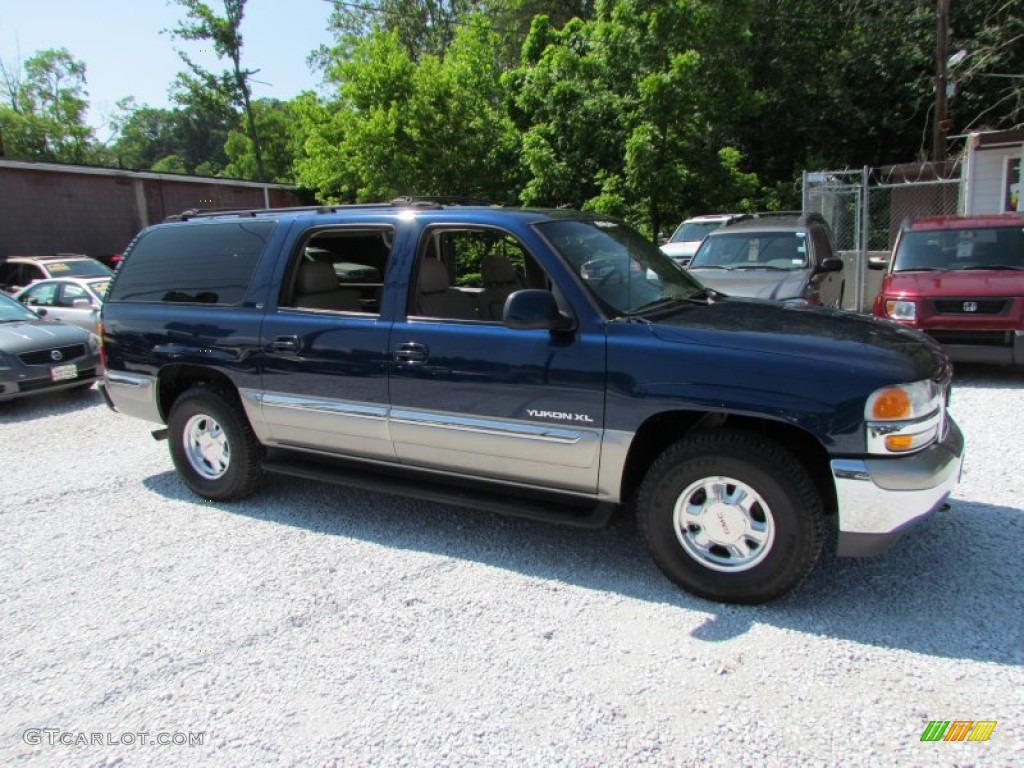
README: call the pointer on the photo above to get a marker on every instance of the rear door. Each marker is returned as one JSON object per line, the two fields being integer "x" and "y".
{"x": 325, "y": 344}
{"x": 473, "y": 397}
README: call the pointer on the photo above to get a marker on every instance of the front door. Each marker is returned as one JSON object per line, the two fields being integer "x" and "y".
{"x": 472, "y": 397}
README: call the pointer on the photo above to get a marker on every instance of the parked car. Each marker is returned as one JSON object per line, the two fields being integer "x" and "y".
{"x": 740, "y": 431}
{"x": 788, "y": 258}
{"x": 72, "y": 300}
{"x": 960, "y": 279}
{"x": 38, "y": 355}
{"x": 689, "y": 235}
{"x": 16, "y": 272}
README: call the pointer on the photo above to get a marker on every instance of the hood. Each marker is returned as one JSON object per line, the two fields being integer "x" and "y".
{"x": 858, "y": 345}
{"x": 771, "y": 284}
{"x": 681, "y": 249}
{"x": 959, "y": 283}
{"x": 30, "y": 335}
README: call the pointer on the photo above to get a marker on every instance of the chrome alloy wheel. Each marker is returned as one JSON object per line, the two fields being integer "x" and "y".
{"x": 206, "y": 446}
{"x": 723, "y": 524}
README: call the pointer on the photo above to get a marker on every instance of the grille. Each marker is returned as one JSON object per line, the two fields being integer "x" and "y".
{"x": 974, "y": 338}
{"x": 42, "y": 356}
{"x": 984, "y": 306}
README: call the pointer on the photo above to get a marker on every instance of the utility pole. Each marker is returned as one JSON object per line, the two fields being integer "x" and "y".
{"x": 941, "y": 46}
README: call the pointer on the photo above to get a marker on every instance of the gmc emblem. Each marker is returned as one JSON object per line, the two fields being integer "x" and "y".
{"x": 970, "y": 306}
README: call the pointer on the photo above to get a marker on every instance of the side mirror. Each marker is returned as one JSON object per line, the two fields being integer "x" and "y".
{"x": 832, "y": 264}
{"x": 41, "y": 311}
{"x": 878, "y": 262}
{"x": 532, "y": 309}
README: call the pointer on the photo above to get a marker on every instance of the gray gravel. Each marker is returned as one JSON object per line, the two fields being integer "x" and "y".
{"x": 312, "y": 625}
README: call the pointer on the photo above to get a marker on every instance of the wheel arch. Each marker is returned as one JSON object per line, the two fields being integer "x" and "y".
{"x": 176, "y": 379}
{"x": 665, "y": 429}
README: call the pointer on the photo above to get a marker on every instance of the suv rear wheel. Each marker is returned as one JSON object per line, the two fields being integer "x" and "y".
{"x": 213, "y": 446}
{"x": 731, "y": 516}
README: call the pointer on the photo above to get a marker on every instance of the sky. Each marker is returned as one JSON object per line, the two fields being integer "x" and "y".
{"x": 126, "y": 55}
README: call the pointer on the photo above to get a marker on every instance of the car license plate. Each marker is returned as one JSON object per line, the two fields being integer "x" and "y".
{"x": 64, "y": 372}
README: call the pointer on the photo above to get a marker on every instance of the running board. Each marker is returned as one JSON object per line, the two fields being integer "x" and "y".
{"x": 576, "y": 513}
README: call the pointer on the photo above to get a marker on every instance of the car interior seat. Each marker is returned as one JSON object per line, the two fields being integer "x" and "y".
{"x": 317, "y": 288}
{"x": 436, "y": 298}
{"x": 500, "y": 279}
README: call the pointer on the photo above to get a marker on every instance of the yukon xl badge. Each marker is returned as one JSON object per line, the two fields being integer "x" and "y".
{"x": 560, "y": 415}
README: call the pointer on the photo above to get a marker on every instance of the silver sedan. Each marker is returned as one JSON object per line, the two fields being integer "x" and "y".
{"x": 73, "y": 300}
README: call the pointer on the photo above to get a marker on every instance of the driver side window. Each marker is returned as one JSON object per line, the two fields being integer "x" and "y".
{"x": 41, "y": 296}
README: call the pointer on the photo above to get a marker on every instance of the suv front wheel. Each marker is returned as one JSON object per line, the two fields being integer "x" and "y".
{"x": 731, "y": 516}
{"x": 213, "y": 446}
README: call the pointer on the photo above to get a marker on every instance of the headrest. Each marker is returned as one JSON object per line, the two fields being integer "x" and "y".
{"x": 316, "y": 277}
{"x": 433, "y": 277}
{"x": 496, "y": 269}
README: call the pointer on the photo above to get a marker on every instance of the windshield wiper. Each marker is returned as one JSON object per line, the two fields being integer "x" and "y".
{"x": 921, "y": 269}
{"x": 668, "y": 301}
{"x": 761, "y": 266}
{"x": 691, "y": 265}
{"x": 989, "y": 266}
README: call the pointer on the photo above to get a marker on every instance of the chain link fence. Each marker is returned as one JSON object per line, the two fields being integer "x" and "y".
{"x": 865, "y": 209}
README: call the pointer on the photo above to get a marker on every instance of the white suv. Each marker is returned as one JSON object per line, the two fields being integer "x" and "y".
{"x": 688, "y": 236}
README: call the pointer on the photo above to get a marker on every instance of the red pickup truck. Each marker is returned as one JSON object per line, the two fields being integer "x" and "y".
{"x": 960, "y": 279}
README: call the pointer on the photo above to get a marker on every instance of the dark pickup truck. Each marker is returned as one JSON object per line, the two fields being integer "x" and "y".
{"x": 548, "y": 364}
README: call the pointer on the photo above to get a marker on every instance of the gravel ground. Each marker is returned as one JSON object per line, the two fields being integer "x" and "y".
{"x": 312, "y": 625}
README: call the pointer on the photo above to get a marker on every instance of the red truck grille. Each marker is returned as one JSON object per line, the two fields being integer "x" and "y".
{"x": 974, "y": 338}
{"x": 971, "y": 306}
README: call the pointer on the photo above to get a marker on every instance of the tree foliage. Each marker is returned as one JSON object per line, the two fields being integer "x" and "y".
{"x": 44, "y": 116}
{"x": 227, "y": 90}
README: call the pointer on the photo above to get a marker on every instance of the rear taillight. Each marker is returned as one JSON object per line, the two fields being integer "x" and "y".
{"x": 103, "y": 344}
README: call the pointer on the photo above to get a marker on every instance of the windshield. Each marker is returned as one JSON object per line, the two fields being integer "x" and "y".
{"x": 10, "y": 311}
{"x": 692, "y": 231}
{"x": 966, "y": 248}
{"x": 77, "y": 268}
{"x": 753, "y": 250}
{"x": 100, "y": 287}
{"x": 622, "y": 269}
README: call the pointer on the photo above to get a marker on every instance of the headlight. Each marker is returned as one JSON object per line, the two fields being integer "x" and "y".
{"x": 901, "y": 310}
{"x": 94, "y": 343}
{"x": 903, "y": 417}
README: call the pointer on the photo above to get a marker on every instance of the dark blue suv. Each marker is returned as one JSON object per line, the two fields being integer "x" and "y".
{"x": 548, "y": 364}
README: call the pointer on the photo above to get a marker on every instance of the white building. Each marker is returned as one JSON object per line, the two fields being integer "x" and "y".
{"x": 991, "y": 172}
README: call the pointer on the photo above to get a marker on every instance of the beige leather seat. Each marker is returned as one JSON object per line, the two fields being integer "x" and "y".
{"x": 317, "y": 288}
{"x": 436, "y": 298}
{"x": 500, "y": 279}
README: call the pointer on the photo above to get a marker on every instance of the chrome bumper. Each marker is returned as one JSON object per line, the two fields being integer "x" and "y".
{"x": 880, "y": 498}
{"x": 131, "y": 394}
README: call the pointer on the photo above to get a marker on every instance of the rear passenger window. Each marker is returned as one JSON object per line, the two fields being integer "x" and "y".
{"x": 339, "y": 270}
{"x": 204, "y": 263}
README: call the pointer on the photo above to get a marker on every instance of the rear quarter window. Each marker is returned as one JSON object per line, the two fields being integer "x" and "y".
{"x": 208, "y": 263}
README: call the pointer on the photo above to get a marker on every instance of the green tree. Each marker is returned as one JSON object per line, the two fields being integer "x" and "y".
{"x": 145, "y": 135}
{"x": 625, "y": 113}
{"x": 44, "y": 117}
{"x": 218, "y": 91}
{"x": 277, "y": 124}
{"x": 397, "y": 126}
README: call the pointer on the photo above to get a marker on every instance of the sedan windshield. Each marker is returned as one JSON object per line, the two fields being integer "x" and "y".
{"x": 11, "y": 311}
{"x": 966, "y": 248}
{"x": 623, "y": 270}
{"x": 753, "y": 250}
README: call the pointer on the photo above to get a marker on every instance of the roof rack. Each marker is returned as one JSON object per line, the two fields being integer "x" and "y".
{"x": 197, "y": 213}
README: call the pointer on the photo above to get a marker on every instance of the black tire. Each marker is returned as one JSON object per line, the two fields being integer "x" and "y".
{"x": 235, "y": 469}
{"x": 774, "y": 544}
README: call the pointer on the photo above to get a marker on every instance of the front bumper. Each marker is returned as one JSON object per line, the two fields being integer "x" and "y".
{"x": 995, "y": 348}
{"x": 879, "y": 499}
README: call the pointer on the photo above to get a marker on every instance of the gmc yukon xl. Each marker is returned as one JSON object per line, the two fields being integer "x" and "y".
{"x": 548, "y": 364}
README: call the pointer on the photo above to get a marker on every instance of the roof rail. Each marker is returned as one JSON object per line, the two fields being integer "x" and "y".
{"x": 196, "y": 213}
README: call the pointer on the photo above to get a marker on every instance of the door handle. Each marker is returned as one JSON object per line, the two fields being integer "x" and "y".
{"x": 285, "y": 344}
{"x": 410, "y": 354}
